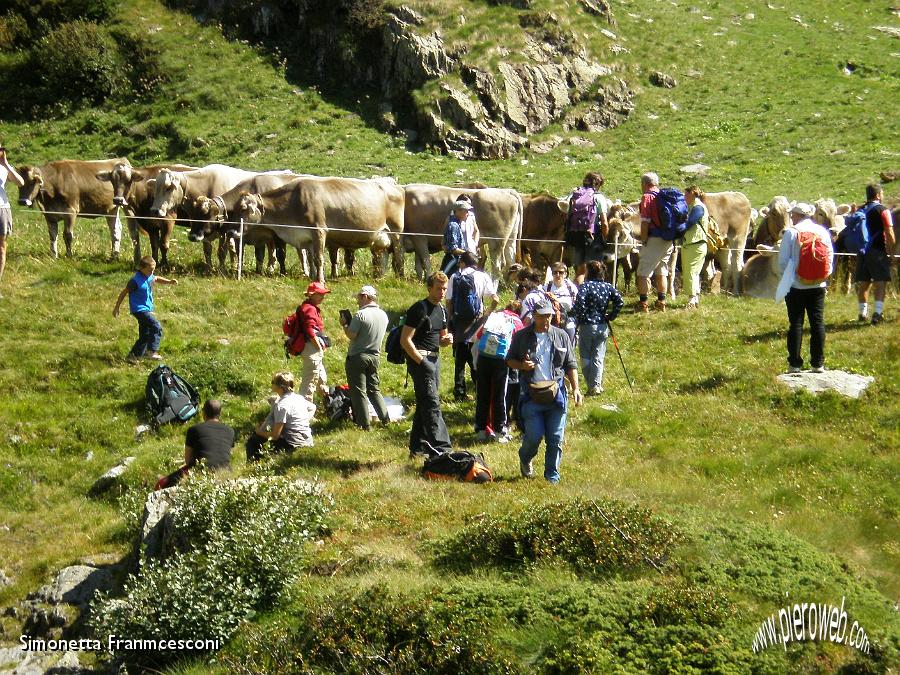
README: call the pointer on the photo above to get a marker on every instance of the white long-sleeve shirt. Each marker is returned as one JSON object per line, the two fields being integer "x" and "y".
{"x": 789, "y": 256}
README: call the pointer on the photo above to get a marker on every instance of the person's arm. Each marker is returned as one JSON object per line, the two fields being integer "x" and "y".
{"x": 188, "y": 455}
{"x": 348, "y": 328}
{"x": 277, "y": 428}
{"x": 119, "y": 301}
{"x": 890, "y": 241}
{"x": 517, "y": 358}
{"x": 163, "y": 280}
{"x": 406, "y": 336}
{"x": 572, "y": 377}
{"x": 786, "y": 250}
{"x": 695, "y": 215}
{"x": 308, "y": 316}
{"x": 578, "y": 307}
{"x": 11, "y": 170}
{"x": 617, "y": 303}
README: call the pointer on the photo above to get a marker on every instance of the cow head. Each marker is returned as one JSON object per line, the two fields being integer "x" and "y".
{"x": 761, "y": 274}
{"x": 169, "y": 192}
{"x": 776, "y": 217}
{"x": 250, "y": 208}
{"x": 31, "y": 189}
{"x": 123, "y": 177}
{"x": 207, "y": 215}
{"x": 830, "y": 216}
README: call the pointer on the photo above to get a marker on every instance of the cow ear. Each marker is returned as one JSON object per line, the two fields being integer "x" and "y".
{"x": 763, "y": 212}
{"x": 766, "y": 250}
{"x": 151, "y": 184}
{"x": 563, "y": 205}
{"x": 137, "y": 177}
{"x": 104, "y": 176}
{"x": 843, "y": 209}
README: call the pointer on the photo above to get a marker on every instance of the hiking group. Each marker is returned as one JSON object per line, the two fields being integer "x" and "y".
{"x": 521, "y": 355}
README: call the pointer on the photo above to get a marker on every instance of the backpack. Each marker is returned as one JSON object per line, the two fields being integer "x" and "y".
{"x": 814, "y": 265}
{"x": 673, "y": 213}
{"x": 339, "y": 406}
{"x": 497, "y": 336}
{"x": 466, "y": 303}
{"x": 169, "y": 397}
{"x": 393, "y": 352}
{"x": 855, "y": 235}
{"x": 582, "y": 211}
{"x": 291, "y": 328}
{"x": 459, "y": 465}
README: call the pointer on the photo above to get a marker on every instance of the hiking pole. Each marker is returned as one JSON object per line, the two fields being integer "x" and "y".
{"x": 621, "y": 360}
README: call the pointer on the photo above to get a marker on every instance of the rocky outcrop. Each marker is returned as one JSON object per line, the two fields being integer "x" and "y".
{"x": 846, "y": 384}
{"x": 155, "y": 525}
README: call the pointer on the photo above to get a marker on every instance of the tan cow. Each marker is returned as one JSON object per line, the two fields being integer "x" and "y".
{"x": 732, "y": 211}
{"x": 132, "y": 191}
{"x": 774, "y": 218}
{"x": 174, "y": 190}
{"x": 497, "y": 211}
{"x": 343, "y": 212}
{"x": 761, "y": 275}
{"x": 543, "y": 229}
{"x": 66, "y": 190}
{"x": 831, "y": 216}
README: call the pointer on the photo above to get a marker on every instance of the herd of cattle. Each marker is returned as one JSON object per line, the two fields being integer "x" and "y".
{"x": 314, "y": 214}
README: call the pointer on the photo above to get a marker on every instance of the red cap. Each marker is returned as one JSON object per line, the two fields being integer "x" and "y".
{"x": 316, "y": 287}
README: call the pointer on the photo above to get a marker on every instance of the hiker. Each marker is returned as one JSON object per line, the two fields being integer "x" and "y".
{"x": 875, "y": 265}
{"x": 492, "y": 343}
{"x": 564, "y": 292}
{"x": 471, "y": 234}
{"x": 7, "y": 171}
{"x": 139, "y": 290}
{"x": 468, "y": 291}
{"x": 693, "y": 247}
{"x": 598, "y": 304}
{"x": 210, "y": 441}
{"x": 586, "y": 224}
{"x": 456, "y": 241}
{"x": 806, "y": 260}
{"x": 423, "y": 334}
{"x": 287, "y": 424}
{"x": 310, "y": 342}
{"x": 366, "y": 333}
{"x": 655, "y": 250}
{"x": 530, "y": 293}
{"x": 543, "y": 356}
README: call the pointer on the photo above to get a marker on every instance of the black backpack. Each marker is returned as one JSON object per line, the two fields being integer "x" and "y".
{"x": 169, "y": 397}
{"x": 457, "y": 465}
{"x": 339, "y": 406}
{"x": 466, "y": 303}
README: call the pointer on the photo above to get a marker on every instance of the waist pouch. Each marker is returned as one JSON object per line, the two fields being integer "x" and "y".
{"x": 543, "y": 391}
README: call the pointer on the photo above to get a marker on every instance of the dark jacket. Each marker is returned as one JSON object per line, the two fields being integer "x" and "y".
{"x": 525, "y": 342}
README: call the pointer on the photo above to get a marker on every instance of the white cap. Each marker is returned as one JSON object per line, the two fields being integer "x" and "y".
{"x": 369, "y": 290}
{"x": 803, "y": 209}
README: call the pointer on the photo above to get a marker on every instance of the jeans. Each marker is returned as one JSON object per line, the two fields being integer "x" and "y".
{"x": 543, "y": 422}
{"x": 428, "y": 423}
{"x": 256, "y": 442}
{"x": 490, "y": 394}
{"x": 149, "y": 334}
{"x": 592, "y": 350}
{"x": 462, "y": 356}
{"x": 449, "y": 263}
{"x": 806, "y": 302}
{"x": 362, "y": 377}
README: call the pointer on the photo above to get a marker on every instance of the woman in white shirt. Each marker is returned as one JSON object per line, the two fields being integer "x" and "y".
{"x": 6, "y": 171}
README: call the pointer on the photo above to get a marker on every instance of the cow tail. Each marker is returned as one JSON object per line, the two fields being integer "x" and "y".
{"x": 520, "y": 215}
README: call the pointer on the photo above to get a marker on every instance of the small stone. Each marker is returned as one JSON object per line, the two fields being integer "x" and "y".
{"x": 272, "y": 135}
{"x": 460, "y": 172}
{"x": 660, "y": 79}
{"x": 4, "y": 580}
{"x": 745, "y": 181}
{"x": 224, "y": 342}
{"x": 608, "y": 33}
{"x": 107, "y": 480}
{"x": 695, "y": 169}
{"x": 611, "y": 407}
{"x": 89, "y": 456}
{"x": 846, "y": 384}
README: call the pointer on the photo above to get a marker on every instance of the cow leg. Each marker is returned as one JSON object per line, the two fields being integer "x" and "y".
{"x": 165, "y": 236}
{"x": 53, "y": 233}
{"x": 333, "y": 257}
{"x": 135, "y": 233}
{"x": 281, "y": 256}
{"x": 69, "y": 232}
{"x": 207, "y": 255}
{"x": 115, "y": 234}
{"x": 397, "y": 254}
{"x": 259, "y": 253}
{"x": 349, "y": 260}
{"x": 318, "y": 249}
{"x": 270, "y": 254}
{"x": 153, "y": 235}
{"x": 306, "y": 256}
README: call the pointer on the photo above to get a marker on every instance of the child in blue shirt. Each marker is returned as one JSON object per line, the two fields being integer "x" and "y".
{"x": 139, "y": 290}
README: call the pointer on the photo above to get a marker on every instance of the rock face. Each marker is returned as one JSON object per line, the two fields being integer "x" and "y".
{"x": 75, "y": 585}
{"x": 155, "y": 526}
{"x": 846, "y": 384}
{"x": 111, "y": 477}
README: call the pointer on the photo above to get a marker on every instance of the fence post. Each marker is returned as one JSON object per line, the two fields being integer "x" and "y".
{"x": 240, "y": 250}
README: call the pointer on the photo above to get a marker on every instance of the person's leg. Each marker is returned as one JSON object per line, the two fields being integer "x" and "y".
{"x": 311, "y": 358}
{"x": 815, "y": 309}
{"x": 373, "y": 387}
{"x": 532, "y": 422}
{"x": 586, "y": 342}
{"x": 431, "y": 427}
{"x": 692, "y": 259}
{"x": 795, "y": 311}
{"x": 459, "y": 367}
{"x": 600, "y": 352}
{"x": 498, "y": 396}
{"x": 483, "y": 378}
{"x": 555, "y": 425}
{"x": 254, "y": 447}
{"x": 2, "y": 254}
{"x": 356, "y": 380}
{"x": 140, "y": 345}
{"x": 154, "y": 333}
{"x": 415, "y": 433}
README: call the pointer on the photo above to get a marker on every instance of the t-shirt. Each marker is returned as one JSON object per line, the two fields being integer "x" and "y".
{"x": 564, "y": 294}
{"x": 648, "y": 209}
{"x": 295, "y": 412}
{"x": 429, "y": 320}
{"x": 211, "y": 441}
{"x": 4, "y": 199}
{"x": 543, "y": 357}
{"x": 370, "y": 324}
{"x": 875, "y": 226}
{"x": 140, "y": 292}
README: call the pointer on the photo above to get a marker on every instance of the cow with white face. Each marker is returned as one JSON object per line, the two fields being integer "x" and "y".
{"x": 175, "y": 190}
{"x": 831, "y": 216}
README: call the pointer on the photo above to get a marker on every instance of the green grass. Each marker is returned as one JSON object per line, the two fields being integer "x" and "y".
{"x": 708, "y": 439}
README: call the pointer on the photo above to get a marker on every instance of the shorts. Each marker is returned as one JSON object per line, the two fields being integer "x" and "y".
{"x": 654, "y": 257}
{"x": 873, "y": 266}
{"x": 5, "y": 221}
{"x": 582, "y": 247}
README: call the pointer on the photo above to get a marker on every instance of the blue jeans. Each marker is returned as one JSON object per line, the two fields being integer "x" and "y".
{"x": 543, "y": 422}
{"x": 149, "y": 334}
{"x": 592, "y": 350}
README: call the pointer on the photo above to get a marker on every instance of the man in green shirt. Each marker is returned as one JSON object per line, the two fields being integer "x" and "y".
{"x": 366, "y": 333}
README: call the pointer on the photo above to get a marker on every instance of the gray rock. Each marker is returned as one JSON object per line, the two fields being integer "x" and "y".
{"x": 846, "y": 384}
{"x": 111, "y": 477}
{"x": 75, "y": 585}
{"x": 409, "y": 15}
{"x": 4, "y": 580}
{"x": 695, "y": 169}
{"x": 16, "y": 661}
{"x": 660, "y": 79}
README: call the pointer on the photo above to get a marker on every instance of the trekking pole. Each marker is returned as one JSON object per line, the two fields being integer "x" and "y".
{"x": 621, "y": 360}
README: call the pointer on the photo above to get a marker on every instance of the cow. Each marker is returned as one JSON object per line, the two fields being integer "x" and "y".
{"x": 621, "y": 250}
{"x": 761, "y": 275}
{"x": 775, "y": 217}
{"x": 132, "y": 192}
{"x": 732, "y": 212}
{"x": 174, "y": 191}
{"x": 67, "y": 189}
{"x": 344, "y": 212}
{"x": 498, "y": 212}
{"x": 543, "y": 230}
{"x": 831, "y": 216}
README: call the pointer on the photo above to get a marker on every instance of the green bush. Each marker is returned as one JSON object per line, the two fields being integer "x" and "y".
{"x": 14, "y": 31}
{"x": 236, "y": 545}
{"x": 595, "y": 537}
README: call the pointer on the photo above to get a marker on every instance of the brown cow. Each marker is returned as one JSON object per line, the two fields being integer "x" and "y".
{"x": 132, "y": 191}
{"x": 67, "y": 189}
{"x": 543, "y": 230}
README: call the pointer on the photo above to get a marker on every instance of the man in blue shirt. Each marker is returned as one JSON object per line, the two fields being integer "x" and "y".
{"x": 140, "y": 301}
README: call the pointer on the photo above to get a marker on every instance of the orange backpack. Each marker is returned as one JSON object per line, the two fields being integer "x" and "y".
{"x": 814, "y": 266}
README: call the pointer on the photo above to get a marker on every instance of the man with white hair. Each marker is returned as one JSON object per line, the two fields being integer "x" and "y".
{"x": 655, "y": 251}
{"x": 366, "y": 333}
{"x": 806, "y": 260}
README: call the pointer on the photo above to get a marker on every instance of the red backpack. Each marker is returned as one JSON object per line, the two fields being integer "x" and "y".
{"x": 291, "y": 327}
{"x": 815, "y": 262}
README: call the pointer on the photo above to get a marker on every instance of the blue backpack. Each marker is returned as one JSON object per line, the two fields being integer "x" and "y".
{"x": 673, "y": 214}
{"x": 855, "y": 235}
{"x": 466, "y": 303}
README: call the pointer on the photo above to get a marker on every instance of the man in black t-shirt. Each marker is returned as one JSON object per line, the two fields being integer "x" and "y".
{"x": 875, "y": 265}
{"x": 210, "y": 441}
{"x": 423, "y": 334}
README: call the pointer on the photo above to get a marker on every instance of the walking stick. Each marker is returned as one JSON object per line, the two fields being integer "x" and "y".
{"x": 621, "y": 360}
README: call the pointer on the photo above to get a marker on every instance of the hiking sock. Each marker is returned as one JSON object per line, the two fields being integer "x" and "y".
{"x": 661, "y": 297}
{"x": 642, "y": 298}
{"x": 879, "y": 306}
{"x": 863, "y": 309}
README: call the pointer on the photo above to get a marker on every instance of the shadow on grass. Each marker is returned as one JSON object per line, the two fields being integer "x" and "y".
{"x": 781, "y": 333}
{"x": 306, "y": 458}
{"x": 709, "y": 384}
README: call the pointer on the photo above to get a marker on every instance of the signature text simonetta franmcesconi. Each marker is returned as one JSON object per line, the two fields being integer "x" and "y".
{"x": 810, "y": 621}
{"x": 115, "y": 643}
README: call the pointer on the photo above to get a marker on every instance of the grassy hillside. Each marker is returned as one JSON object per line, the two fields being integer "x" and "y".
{"x": 776, "y": 493}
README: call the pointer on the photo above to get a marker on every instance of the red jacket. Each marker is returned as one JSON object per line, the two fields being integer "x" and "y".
{"x": 308, "y": 324}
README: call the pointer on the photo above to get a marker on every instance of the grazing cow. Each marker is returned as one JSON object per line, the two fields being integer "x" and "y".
{"x": 132, "y": 191}
{"x": 66, "y": 190}
{"x": 498, "y": 212}
{"x": 344, "y": 212}
{"x": 732, "y": 211}
{"x": 543, "y": 229}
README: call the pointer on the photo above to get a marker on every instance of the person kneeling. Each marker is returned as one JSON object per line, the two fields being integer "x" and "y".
{"x": 287, "y": 425}
{"x": 210, "y": 441}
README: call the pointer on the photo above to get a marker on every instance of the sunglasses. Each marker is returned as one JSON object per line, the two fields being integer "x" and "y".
{"x": 558, "y": 272}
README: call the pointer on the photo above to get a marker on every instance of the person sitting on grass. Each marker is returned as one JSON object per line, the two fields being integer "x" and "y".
{"x": 210, "y": 442}
{"x": 139, "y": 290}
{"x": 287, "y": 424}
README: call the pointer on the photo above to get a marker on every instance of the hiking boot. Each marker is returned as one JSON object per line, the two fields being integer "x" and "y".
{"x": 131, "y": 358}
{"x": 642, "y": 307}
{"x": 817, "y": 369}
{"x": 503, "y": 438}
{"x": 155, "y": 356}
{"x": 795, "y": 369}
{"x": 862, "y": 318}
{"x": 660, "y": 305}
{"x": 595, "y": 391}
{"x": 527, "y": 469}
{"x": 877, "y": 319}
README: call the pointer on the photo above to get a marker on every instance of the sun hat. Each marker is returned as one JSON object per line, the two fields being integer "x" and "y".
{"x": 368, "y": 290}
{"x": 316, "y": 287}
